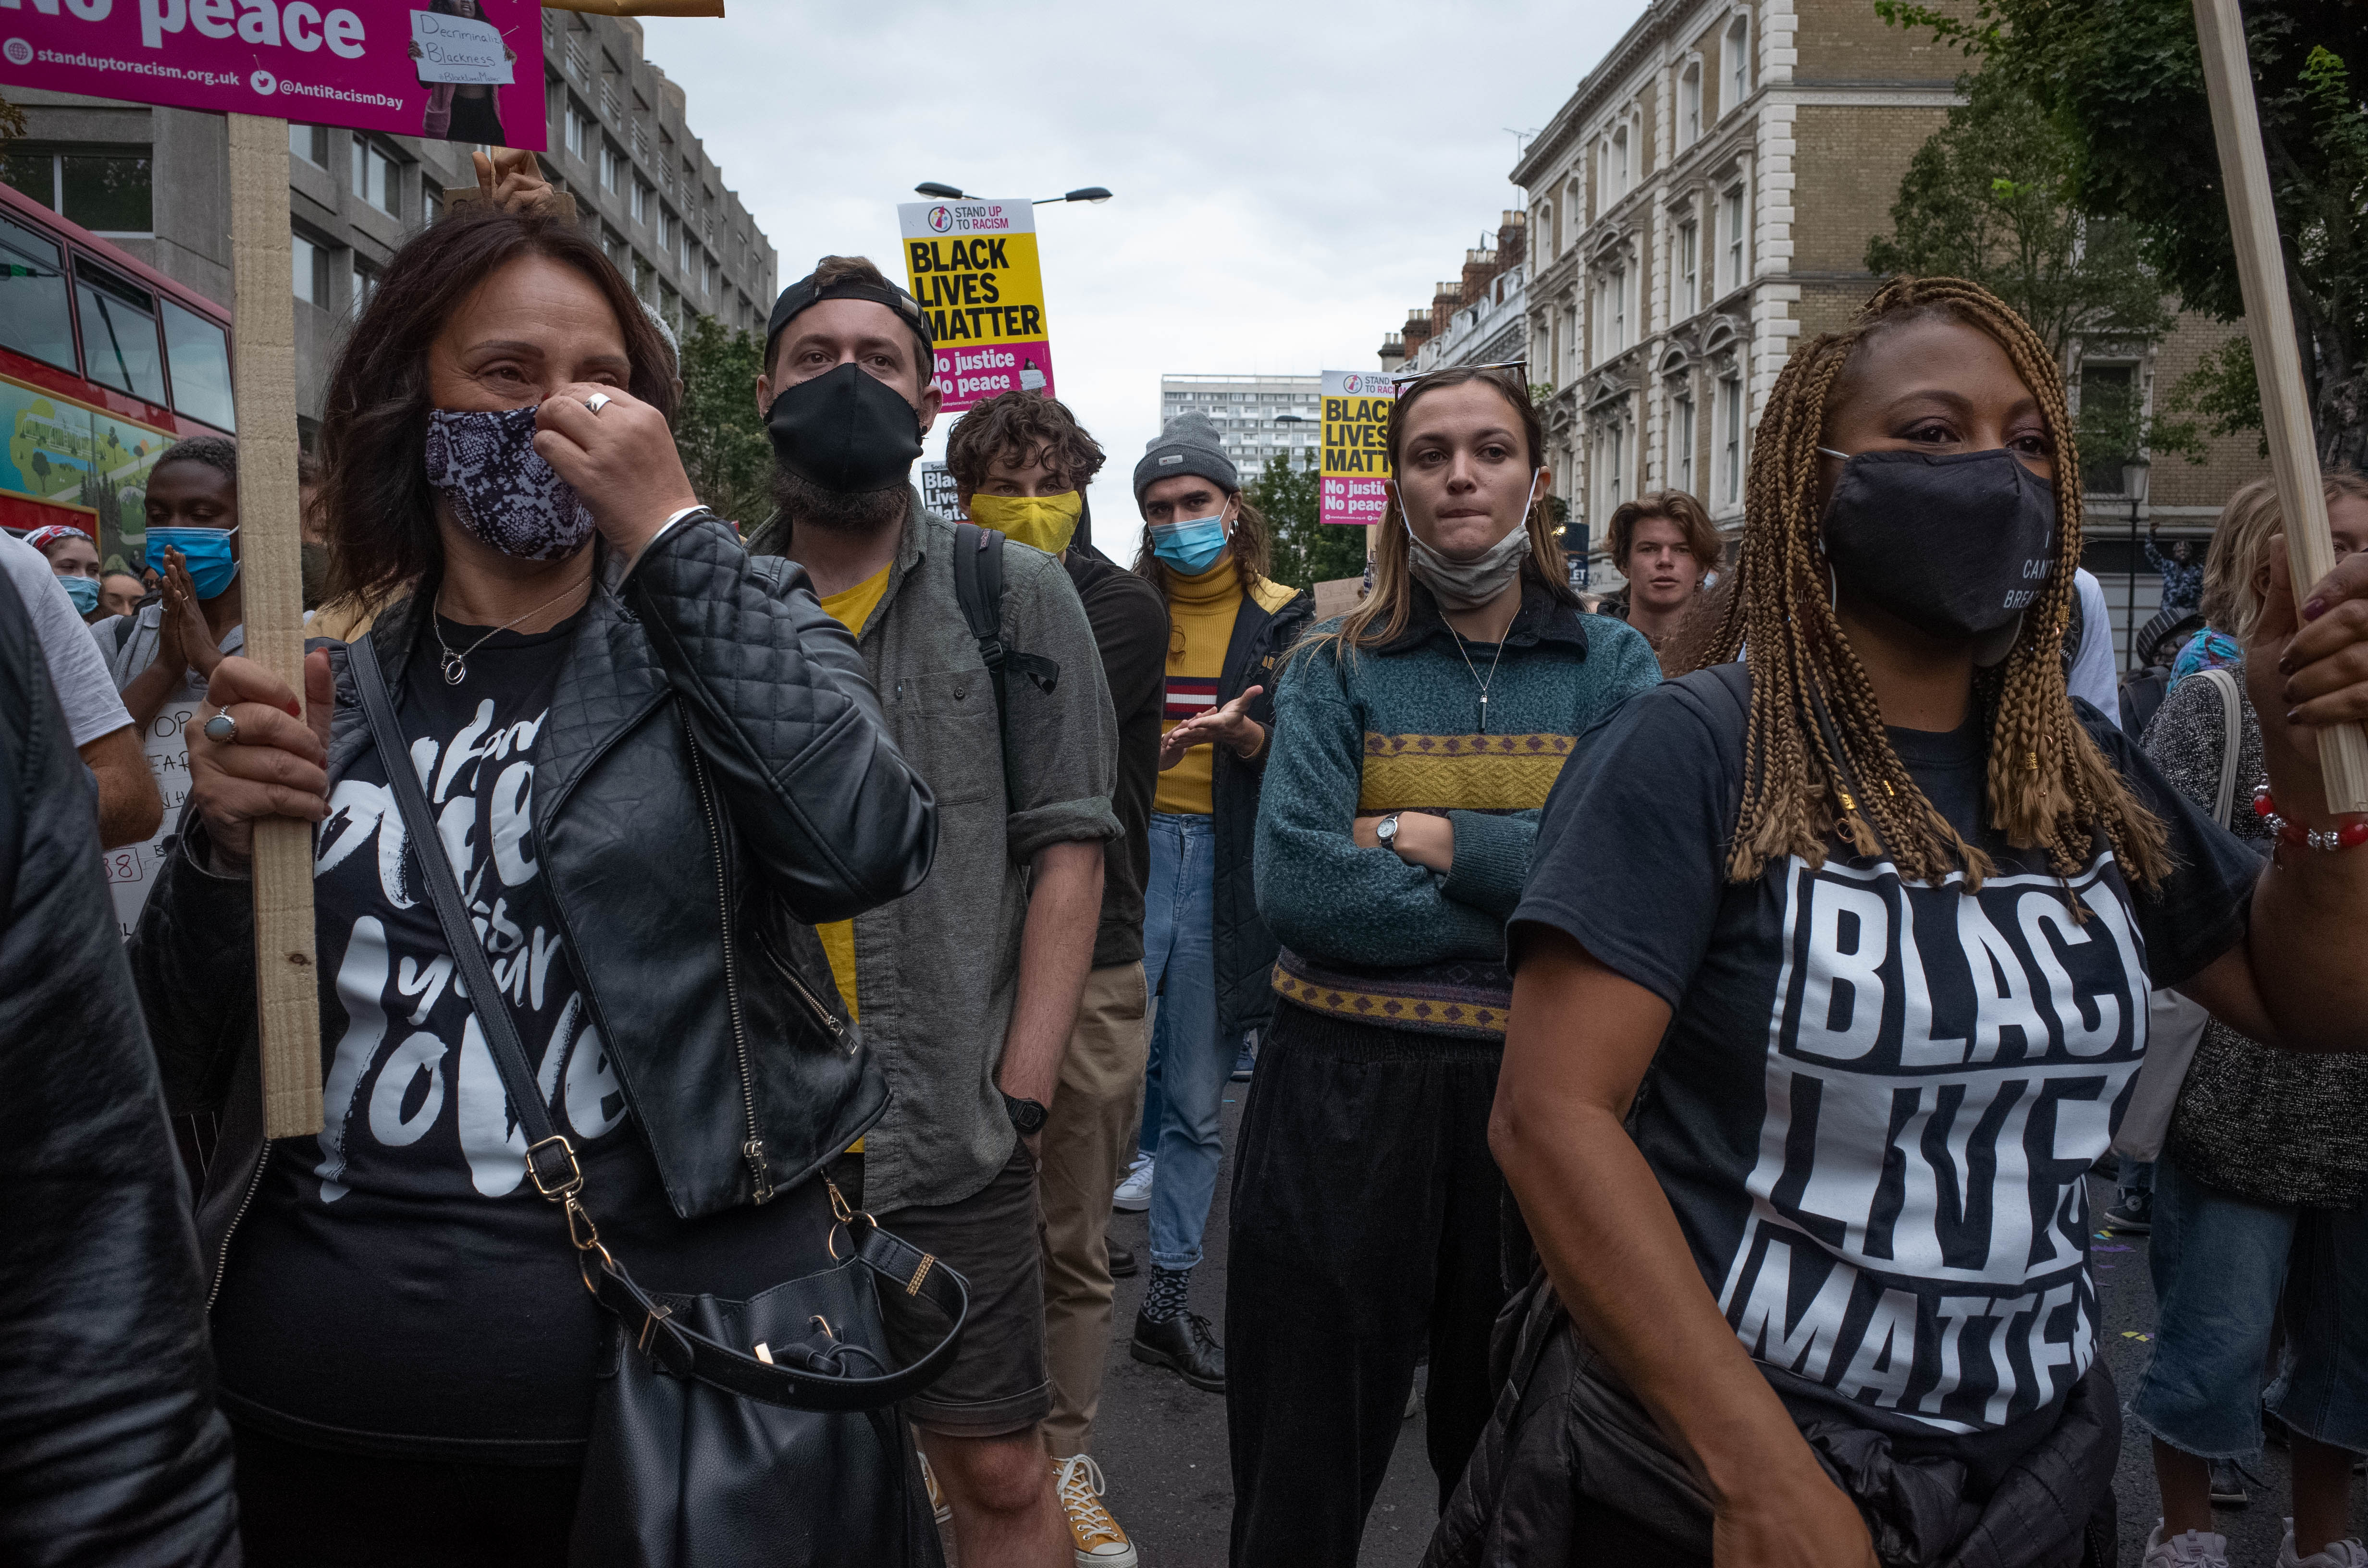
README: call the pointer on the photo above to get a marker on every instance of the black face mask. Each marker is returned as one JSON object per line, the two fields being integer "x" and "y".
{"x": 847, "y": 431}
{"x": 1957, "y": 546}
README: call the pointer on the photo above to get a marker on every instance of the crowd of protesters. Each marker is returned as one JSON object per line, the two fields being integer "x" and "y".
{"x": 1689, "y": 1024}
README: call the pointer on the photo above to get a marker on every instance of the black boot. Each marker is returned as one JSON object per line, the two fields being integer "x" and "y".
{"x": 1123, "y": 1264}
{"x": 1184, "y": 1345}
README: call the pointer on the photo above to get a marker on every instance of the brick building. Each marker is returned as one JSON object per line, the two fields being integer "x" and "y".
{"x": 1705, "y": 198}
{"x": 1480, "y": 317}
{"x": 155, "y": 181}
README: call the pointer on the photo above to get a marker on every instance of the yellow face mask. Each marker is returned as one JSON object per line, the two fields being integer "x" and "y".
{"x": 1045, "y": 521}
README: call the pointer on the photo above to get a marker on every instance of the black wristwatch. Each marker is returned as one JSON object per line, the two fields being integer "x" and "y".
{"x": 1028, "y": 1116}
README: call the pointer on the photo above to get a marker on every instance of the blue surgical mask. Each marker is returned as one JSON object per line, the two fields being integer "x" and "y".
{"x": 207, "y": 551}
{"x": 84, "y": 591}
{"x": 1191, "y": 546}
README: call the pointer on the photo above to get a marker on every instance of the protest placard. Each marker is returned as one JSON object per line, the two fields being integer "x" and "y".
{"x": 1356, "y": 461}
{"x": 459, "y": 48}
{"x": 133, "y": 869}
{"x": 325, "y": 64}
{"x": 972, "y": 264}
{"x": 938, "y": 493}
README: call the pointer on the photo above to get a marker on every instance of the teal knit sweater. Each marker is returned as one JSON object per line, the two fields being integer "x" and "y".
{"x": 1396, "y": 727}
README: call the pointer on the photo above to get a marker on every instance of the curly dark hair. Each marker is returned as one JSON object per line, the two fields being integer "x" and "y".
{"x": 377, "y": 509}
{"x": 214, "y": 452}
{"x": 1018, "y": 424}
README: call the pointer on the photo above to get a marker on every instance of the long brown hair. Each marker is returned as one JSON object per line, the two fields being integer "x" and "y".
{"x": 377, "y": 509}
{"x": 1817, "y": 758}
{"x": 1390, "y": 607}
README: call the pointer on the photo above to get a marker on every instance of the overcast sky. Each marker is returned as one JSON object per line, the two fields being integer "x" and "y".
{"x": 1290, "y": 177}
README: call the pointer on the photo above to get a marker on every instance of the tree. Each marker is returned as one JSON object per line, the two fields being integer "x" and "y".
{"x": 1987, "y": 197}
{"x": 718, "y": 429}
{"x": 2124, "y": 82}
{"x": 1304, "y": 551}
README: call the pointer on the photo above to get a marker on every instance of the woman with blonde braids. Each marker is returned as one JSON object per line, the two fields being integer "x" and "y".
{"x": 1829, "y": 982}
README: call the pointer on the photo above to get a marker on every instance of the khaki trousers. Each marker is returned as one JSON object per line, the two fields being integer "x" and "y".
{"x": 1088, "y": 1143}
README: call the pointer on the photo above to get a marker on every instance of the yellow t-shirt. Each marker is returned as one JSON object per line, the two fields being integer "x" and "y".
{"x": 1200, "y": 612}
{"x": 851, "y": 608}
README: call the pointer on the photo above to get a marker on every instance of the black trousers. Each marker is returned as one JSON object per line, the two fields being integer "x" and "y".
{"x": 304, "y": 1507}
{"x": 1364, "y": 1231}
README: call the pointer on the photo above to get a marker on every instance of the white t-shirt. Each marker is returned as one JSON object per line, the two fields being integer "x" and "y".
{"x": 85, "y": 688}
{"x": 2092, "y": 663}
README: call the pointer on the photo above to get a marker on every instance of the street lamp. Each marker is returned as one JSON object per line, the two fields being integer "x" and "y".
{"x": 2133, "y": 485}
{"x": 1093, "y": 193}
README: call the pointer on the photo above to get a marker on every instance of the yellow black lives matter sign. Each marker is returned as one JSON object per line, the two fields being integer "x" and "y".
{"x": 972, "y": 264}
{"x": 1356, "y": 456}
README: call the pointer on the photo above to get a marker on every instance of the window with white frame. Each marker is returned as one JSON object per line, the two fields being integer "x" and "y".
{"x": 1730, "y": 438}
{"x": 1689, "y": 87}
{"x": 612, "y": 168}
{"x": 583, "y": 131}
{"x": 643, "y": 192}
{"x": 1681, "y": 462}
{"x": 1619, "y": 293}
{"x": 1620, "y": 165}
{"x": 1685, "y": 268}
{"x": 1732, "y": 259}
{"x": 1737, "y": 63}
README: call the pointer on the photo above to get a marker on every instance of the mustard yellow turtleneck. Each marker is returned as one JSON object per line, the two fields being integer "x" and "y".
{"x": 1201, "y": 613}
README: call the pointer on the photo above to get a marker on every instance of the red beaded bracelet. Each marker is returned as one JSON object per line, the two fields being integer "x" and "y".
{"x": 2349, "y": 836}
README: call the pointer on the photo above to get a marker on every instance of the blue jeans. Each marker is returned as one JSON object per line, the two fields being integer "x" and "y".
{"x": 1179, "y": 967}
{"x": 2222, "y": 1265}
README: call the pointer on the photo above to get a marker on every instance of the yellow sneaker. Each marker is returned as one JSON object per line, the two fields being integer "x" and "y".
{"x": 1099, "y": 1542}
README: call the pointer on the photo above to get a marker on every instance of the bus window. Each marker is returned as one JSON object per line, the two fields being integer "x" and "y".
{"x": 199, "y": 354}
{"x": 118, "y": 334}
{"x": 34, "y": 320}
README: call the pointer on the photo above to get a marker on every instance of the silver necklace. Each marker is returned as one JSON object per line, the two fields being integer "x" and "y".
{"x": 456, "y": 665}
{"x": 1483, "y": 685}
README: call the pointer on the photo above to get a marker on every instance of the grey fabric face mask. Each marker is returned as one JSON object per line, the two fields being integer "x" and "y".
{"x": 1468, "y": 584}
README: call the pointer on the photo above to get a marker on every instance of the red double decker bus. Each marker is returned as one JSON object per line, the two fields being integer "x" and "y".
{"x": 104, "y": 363}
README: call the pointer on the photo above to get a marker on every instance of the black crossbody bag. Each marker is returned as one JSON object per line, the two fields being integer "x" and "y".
{"x": 703, "y": 1453}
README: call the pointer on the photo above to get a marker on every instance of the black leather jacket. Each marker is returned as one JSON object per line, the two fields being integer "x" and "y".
{"x": 713, "y": 778}
{"x": 111, "y": 1450}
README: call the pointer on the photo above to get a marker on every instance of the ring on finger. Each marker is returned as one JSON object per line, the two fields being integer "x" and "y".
{"x": 597, "y": 402}
{"x": 221, "y": 729}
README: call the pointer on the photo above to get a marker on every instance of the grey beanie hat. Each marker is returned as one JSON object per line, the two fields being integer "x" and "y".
{"x": 1189, "y": 445}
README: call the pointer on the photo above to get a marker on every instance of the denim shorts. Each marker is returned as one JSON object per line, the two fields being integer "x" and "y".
{"x": 2222, "y": 1266}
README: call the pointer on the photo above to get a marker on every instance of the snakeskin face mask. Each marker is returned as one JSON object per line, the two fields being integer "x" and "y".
{"x": 499, "y": 486}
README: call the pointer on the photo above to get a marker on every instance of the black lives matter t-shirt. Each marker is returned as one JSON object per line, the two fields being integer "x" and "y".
{"x": 1876, "y": 1099}
{"x": 397, "y": 1284}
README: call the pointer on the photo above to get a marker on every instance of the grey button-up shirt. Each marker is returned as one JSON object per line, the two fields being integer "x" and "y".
{"x": 935, "y": 972}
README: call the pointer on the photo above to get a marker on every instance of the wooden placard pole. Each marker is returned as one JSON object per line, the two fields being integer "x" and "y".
{"x": 263, "y": 382}
{"x": 2277, "y": 357}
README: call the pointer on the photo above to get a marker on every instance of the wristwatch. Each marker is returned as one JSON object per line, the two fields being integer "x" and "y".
{"x": 1387, "y": 831}
{"x": 1028, "y": 1116}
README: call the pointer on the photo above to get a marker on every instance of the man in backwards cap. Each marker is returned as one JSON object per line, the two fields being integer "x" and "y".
{"x": 967, "y": 988}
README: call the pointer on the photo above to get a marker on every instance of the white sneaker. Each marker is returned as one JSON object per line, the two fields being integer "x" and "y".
{"x": 2347, "y": 1552}
{"x": 1133, "y": 1194}
{"x": 2189, "y": 1549}
{"x": 1099, "y": 1542}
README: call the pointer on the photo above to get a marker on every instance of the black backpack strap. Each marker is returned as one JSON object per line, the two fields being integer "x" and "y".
{"x": 978, "y": 588}
{"x": 901, "y": 1269}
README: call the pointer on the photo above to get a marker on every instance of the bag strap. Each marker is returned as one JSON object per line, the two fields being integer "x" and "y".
{"x": 2232, "y": 729}
{"x": 978, "y": 588}
{"x": 550, "y": 1162}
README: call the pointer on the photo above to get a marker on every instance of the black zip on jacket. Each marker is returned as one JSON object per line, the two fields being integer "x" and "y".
{"x": 1271, "y": 618}
{"x": 713, "y": 778}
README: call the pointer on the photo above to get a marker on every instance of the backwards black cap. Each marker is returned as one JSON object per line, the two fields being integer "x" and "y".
{"x": 805, "y": 292}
